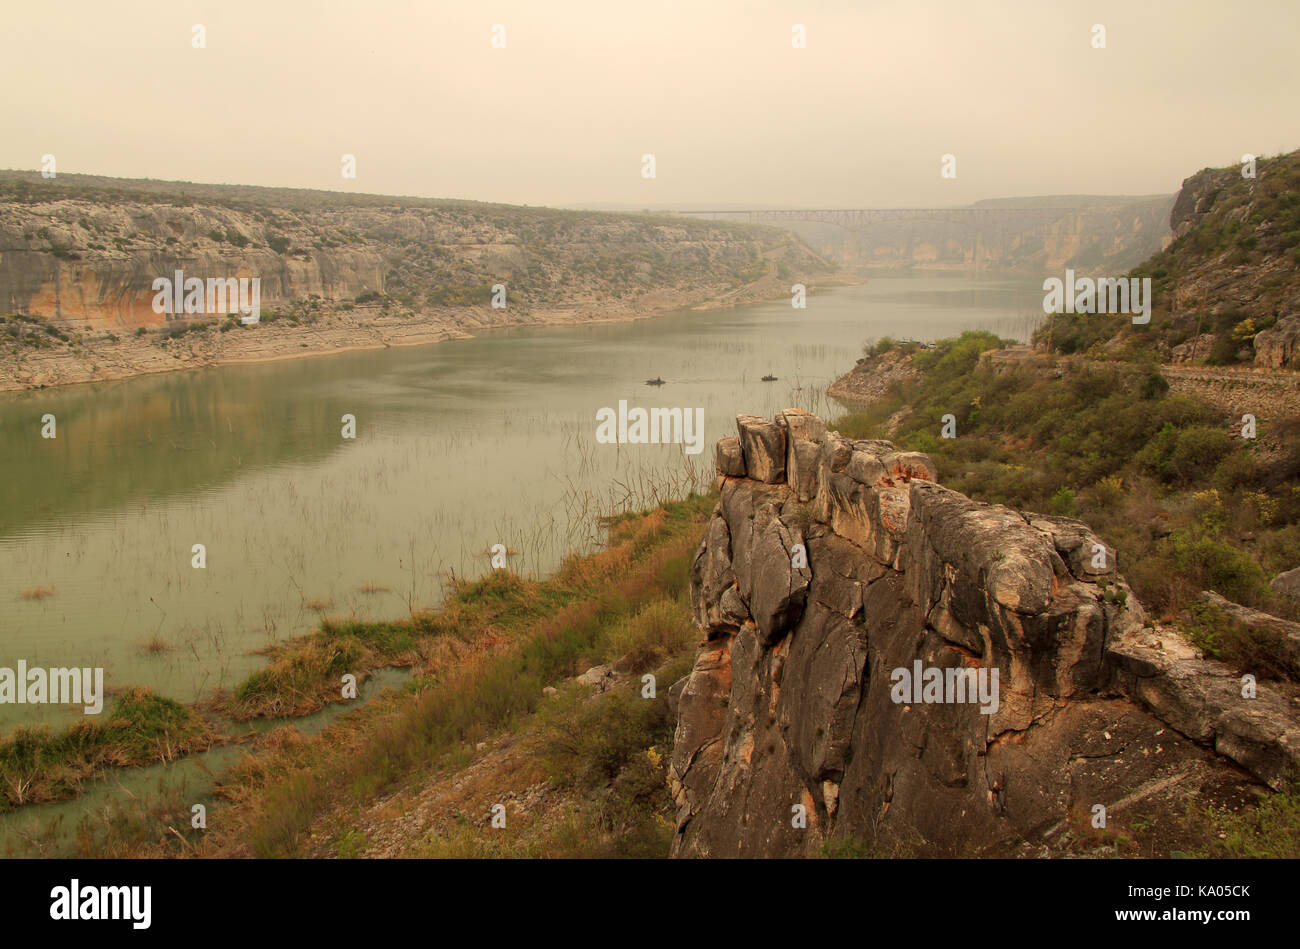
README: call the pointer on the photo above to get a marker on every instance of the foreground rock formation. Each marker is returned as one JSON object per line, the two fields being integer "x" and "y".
{"x": 830, "y": 568}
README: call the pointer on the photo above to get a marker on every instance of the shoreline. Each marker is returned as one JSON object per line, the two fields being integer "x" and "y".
{"x": 136, "y": 356}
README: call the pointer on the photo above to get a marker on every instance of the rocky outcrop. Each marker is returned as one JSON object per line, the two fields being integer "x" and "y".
{"x": 1225, "y": 288}
{"x": 1283, "y": 636}
{"x": 873, "y": 377}
{"x": 889, "y": 661}
{"x": 1194, "y": 350}
{"x": 1287, "y": 584}
{"x": 1279, "y": 346}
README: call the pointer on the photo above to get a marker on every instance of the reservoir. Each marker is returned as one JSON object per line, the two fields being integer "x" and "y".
{"x": 459, "y": 447}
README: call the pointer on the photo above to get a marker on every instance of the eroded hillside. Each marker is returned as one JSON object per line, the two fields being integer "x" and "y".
{"x": 1227, "y": 289}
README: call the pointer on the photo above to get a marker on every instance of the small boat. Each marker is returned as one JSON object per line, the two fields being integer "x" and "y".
{"x": 656, "y": 381}
{"x": 769, "y": 378}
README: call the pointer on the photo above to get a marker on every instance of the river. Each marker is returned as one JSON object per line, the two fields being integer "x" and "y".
{"x": 459, "y": 446}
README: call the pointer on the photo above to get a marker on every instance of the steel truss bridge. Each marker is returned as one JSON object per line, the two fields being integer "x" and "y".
{"x": 860, "y": 219}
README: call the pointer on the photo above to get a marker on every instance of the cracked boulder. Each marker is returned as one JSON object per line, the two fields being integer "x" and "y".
{"x": 763, "y": 445}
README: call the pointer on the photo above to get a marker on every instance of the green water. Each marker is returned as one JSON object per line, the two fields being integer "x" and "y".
{"x": 53, "y": 827}
{"x": 459, "y": 446}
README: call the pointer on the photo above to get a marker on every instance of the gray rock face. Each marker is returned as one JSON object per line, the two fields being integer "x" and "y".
{"x": 763, "y": 444}
{"x": 820, "y": 593}
{"x": 1287, "y": 584}
{"x": 729, "y": 458}
{"x": 1194, "y": 349}
{"x": 1084, "y": 553}
{"x": 775, "y": 589}
{"x": 598, "y": 678}
{"x": 805, "y": 433}
{"x": 711, "y": 579}
{"x": 1283, "y": 635}
{"x": 1279, "y": 346}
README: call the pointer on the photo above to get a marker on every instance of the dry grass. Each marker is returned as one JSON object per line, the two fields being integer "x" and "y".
{"x": 482, "y": 662}
{"x": 303, "y": 677}
{"x": 156, "y": 644}
{"x": 371, "y": 588}
{"x": 497, "y": 641}
{"x": 321, "y": 605}
{"x": 36, "y": 593}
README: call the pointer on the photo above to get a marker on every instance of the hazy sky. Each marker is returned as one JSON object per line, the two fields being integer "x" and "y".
{"x": 713, "y": 88}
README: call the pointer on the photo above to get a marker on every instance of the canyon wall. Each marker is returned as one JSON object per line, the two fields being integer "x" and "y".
{"x": 833, "y": 572}
{"x": 83, "y": 252}
{"x": 79, "y": 256}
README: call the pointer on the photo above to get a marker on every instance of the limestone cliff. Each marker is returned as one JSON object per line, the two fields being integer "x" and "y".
{"x": 86, "y": 250}
{"x": 79, "y": 254}
{"x": 832, "y": 571}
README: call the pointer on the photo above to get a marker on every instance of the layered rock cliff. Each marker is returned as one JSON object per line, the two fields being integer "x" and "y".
{"x": 85, "y": 249}
{"x": 887, "y": 661}
{"x": 79, "y": 255}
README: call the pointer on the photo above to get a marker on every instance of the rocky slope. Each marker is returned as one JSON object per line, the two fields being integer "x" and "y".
{"x": 830, "y": 568}
{"x": 79, "y": 254}
{"x": 1227, "y": 288}
{"x": 1238, "y": 252}
{"x": 873, "y": 376}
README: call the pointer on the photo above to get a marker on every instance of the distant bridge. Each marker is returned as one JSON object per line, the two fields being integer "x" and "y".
{"x": 859, "y": 219}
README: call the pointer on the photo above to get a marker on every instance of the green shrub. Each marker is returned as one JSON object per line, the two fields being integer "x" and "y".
{"x": 1154, "y": 386}
{"x": 1184, "y": 456}
{"x": 1269, "y": 830}
{"x": 1063, "y": 502}
{"x": 1213, "y": 565}
{"x": 589, "y": 747}
{"x": 657, "y": 631}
